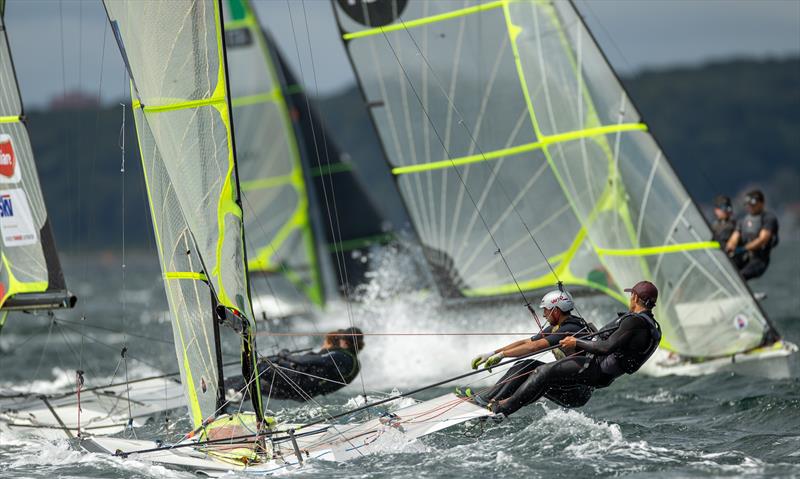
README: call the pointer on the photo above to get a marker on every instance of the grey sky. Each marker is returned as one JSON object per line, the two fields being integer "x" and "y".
{"x": 635, "y": 34}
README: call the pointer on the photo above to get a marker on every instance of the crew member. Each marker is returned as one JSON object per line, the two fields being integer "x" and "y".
{"x": 755, "y": 236}
{"x": 724, "y": 223}
{"x": 302, "y": 376}
{"x": 622, "y": 347}
{"x": 558, "y": 306}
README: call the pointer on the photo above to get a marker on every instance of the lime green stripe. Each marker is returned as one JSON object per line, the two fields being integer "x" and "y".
{"x": 358, "y": 243}
{"x": 267, "y": 97}
{"x": 653, "y": 250}
{"x": 330, "y": 169}
{"x": 518, "y": 150}
{"x": 299, "y": 220}
{"x": 272, "y": 182}
{"x": 184, "y": 105}
{"x": 185, "y": 275}
{"x": 10, "y": 119}
{"x": 425, "y": 20}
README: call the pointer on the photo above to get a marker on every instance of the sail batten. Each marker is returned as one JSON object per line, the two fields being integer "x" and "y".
{"x": 530, "y": 120}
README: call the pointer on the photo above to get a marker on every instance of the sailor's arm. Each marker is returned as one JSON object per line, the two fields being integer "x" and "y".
{"x": 763, "y": 239}
{"x": 606, "y": 346}
{"x": 730, "y": 247}
{"x": 523, "y": 347}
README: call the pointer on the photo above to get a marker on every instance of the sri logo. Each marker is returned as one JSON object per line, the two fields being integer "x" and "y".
{"x": 6, "y": 210}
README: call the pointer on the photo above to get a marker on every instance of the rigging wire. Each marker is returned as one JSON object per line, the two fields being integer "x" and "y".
{"x": 498, "y": 250}
{"x": 492, "y": 169}
{"x": 353, "y": 339}
{"x": 332, "y": 215}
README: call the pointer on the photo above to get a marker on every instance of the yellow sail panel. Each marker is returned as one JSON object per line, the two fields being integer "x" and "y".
{"x": 503, "y": 123}
{"x": 174, "y": 53}
{"x": 275, "y": 200}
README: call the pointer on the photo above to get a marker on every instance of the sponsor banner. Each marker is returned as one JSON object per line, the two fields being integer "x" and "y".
{"x": 9, "y": 172}
{"x": 16, "y": 221}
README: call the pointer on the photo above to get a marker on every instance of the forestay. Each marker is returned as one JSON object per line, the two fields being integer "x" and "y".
{"x": 503, "y": 121}
{"x": 276, "y": 204}
{"x": 175, "y": 56}
{"x": 30, "y": 271}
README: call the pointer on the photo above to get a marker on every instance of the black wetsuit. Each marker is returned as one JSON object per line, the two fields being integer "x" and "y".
{"x": 755, "y": 263}
{"x": 723, "y": 230}
{"x": 566, "y": 395}
{"x": 302, "y": 376}
{"x": 622, "y": 347}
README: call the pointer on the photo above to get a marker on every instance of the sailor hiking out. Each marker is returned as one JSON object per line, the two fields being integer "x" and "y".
{"x": 557, "y": 306}
{"x": 300, "y": 377}
{"x": 621, "y": 347}
{"x": 754, "y": 237}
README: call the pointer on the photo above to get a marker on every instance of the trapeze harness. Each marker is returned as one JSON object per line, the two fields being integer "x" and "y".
{"x": 302, "y": 376}
{"x": 622, "y": 347}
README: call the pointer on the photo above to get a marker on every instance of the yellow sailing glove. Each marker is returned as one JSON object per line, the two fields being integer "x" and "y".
{"x": 480, "y": 359}
{"x": 493, "y": 359}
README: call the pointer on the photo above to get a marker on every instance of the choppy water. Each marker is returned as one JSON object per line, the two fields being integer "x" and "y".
{"x": 721, "y": 425}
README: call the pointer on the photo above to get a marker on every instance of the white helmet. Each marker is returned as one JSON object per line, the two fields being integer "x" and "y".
{"x": 559, "y": 299}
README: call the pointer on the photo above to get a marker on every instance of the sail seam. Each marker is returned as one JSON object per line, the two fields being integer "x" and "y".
{"x": 656, "y": 250}
{"x": 425, "y": 20}
{"x": 518, "y": 150}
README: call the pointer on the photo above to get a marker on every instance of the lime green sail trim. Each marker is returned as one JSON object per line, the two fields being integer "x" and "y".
{"x": 10, "y": 119}
{"x": 360, "y": 243}
{"x": 299, "y": 220}
{"x": 16, "y": 286}
{"x": 228, "y": 198}
{"x": 194, "y": 403}
{"x": 520, "y": 149}
{"x": 425, "y": 20}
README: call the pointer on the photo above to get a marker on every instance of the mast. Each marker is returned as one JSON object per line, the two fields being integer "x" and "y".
{"x": 182, "y": 110}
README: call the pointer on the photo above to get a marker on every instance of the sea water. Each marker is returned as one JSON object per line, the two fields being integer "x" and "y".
{"x": 721, "y": 425}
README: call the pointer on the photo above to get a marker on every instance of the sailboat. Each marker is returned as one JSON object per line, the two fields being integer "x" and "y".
{"x": 190, "y": 162}
{"x": 30, "y": 274}
{"x": 523, "y": 162}
{"x": 301, "y": 234}
{"x": 31, "y": 277}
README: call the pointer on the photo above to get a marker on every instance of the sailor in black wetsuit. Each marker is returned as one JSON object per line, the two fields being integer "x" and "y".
{"x": 724, "y": 224}
{"x": 622, "y": 347}
{"x": 755, "y": 236}
{"x": 302, "y": 376}
{"x": 558, "y": 306}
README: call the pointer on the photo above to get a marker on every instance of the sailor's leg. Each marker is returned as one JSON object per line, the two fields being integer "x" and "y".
{"x": 754, "y": 268}
{"x": 570, "y": 396}
{"x": 511, "y": 381}
{"x": 565, "y": 371}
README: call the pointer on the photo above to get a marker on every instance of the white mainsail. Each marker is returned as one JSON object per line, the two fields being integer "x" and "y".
{"x": 175, "y": 55}
{"x": 507, "y": 130}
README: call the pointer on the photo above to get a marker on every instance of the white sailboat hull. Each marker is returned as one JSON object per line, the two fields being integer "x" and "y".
{"x": 334, "y": 443}
{"x": 774, "y": 362}
{"x": 103, "y": 411}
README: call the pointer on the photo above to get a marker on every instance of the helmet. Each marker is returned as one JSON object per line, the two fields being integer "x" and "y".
{"x": 559, "y": 299}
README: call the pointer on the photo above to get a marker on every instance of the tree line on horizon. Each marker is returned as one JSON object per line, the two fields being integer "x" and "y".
{"x": 725, "y": 127}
